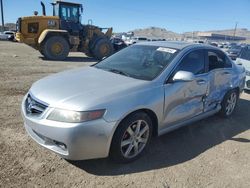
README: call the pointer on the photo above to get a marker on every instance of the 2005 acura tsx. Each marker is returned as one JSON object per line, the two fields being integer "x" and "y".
{"x": 114, "y": 107}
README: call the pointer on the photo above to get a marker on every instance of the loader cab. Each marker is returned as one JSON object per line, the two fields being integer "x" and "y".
{"x": 70, "y": 16}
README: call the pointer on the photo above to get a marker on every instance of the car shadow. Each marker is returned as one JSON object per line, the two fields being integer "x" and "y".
{"x": 178, "y": 146}
{"x": 73, "y": 59}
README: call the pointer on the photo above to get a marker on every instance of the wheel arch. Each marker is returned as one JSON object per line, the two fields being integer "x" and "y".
{"x": 49, "y": 33}
{"x": 152, "y": 115}
{"x": 238, "y": 90}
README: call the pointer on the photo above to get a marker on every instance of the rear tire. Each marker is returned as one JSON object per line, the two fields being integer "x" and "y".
{"x": 56, "y": 48}
{"x": 103, "y": 48}
{"x": 229, "y": 103}
{"x": 41, "y": 52}
{"x": 131, "y": 138}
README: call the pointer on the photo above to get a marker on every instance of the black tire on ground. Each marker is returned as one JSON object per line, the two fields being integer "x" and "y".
{"x": 55, "y": 48}
{"x": 89, "y": 54}
{"x": 102, "y": 48}
{"x": 121, "y": 135}
{"x": 229, "y": 103}
{"x": 41, "y": 52}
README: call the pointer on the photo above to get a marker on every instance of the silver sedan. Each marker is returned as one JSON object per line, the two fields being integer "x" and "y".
{"x": 114, "y": 107}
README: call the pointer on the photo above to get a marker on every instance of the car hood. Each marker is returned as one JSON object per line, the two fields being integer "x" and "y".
{"x": 83, "y": 88}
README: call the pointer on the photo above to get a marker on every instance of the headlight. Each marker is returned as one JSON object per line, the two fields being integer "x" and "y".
{"x": 74, "y": 116}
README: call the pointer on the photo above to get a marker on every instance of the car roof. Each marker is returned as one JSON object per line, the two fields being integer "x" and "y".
{"x": 174, "y": 44}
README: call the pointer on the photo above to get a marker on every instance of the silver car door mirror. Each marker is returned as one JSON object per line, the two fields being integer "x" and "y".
{"x": 183, "y": 76}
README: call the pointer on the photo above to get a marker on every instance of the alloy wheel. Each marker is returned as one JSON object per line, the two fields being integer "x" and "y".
{"x": 135, "y": 139}
{"x": 231, "y": 103}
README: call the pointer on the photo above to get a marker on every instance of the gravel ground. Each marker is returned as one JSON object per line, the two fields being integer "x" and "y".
{"x": 213, "y": 152}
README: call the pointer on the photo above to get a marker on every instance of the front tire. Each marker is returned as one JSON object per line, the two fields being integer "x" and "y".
{"x": 55, "y": 48}
{"x": 103, "y": 48}
{"x": 229, "y": 103}
{"x": 131, "y": 138}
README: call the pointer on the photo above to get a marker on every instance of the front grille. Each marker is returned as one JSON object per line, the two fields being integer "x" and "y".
{"x": 33, "y": 107}
{"x": 248, "y": 83}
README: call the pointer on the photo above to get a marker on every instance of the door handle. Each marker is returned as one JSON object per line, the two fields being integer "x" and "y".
{"x": 201, "y": 82}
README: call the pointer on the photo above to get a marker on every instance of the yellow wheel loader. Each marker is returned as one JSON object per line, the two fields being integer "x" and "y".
{"x": 55, "y": 36}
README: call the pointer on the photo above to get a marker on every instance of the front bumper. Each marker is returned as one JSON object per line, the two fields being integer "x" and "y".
{"x": 73, "y": 141}
{"x": 19, "y": 37}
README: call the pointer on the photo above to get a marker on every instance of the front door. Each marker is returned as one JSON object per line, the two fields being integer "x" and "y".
{"x": 220, "y": 75}
{"x": 184, "y": 100}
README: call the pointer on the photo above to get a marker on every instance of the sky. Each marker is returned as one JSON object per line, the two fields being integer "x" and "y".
{"x": 176, "y": 15}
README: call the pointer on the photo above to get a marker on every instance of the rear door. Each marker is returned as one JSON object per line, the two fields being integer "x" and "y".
{"x": 184, "y": 100}
{"x": 220, "y": 75}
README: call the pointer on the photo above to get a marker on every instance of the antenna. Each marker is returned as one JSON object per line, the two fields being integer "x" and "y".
{"x": 235, "y": 28}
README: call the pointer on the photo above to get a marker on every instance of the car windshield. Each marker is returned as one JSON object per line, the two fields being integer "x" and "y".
{"x": 245, "y": 53}
{"x": 139, "y": 61}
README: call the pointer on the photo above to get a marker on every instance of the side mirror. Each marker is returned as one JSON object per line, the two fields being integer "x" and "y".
{"x": 183, "y": 76}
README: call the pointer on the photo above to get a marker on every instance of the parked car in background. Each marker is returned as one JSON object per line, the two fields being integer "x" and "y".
{"x": 136, "y": 40}
{"x": 118, "y": 44}
{"x": 234, "y": 51}
{"x": 3, "y": 36}
{"x": 114, "y": 107}
{"x": 11, "y": 35}
{"x": 7, "y": 35}
{"x": 244, "y": 59}
{"x": 214, "y": 44}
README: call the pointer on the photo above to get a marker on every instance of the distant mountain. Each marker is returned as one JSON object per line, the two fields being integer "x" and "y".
{"x": 156, "y": 32}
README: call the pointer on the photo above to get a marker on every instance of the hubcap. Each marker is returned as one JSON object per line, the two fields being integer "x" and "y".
{"x": 57, "y": 48}
{"x": 104, "y": 49}
{"x": 135, "y": 139}
{"x": 231, "y": 102}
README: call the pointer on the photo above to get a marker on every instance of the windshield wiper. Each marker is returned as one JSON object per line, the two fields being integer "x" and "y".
{"x": 119, "y": 72}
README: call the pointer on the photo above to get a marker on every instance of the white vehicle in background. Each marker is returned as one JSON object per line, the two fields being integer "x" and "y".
{"x": 136, "y": 40}
{"x": 7, "y": 35}
{"x": 244, "y": 59}
{"x": 3, "y": 36}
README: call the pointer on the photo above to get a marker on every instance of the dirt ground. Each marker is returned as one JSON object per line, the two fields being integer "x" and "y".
{"x": 210, "y": 153}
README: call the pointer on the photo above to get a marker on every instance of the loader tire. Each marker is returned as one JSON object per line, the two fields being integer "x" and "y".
{"x": 56, "y": 48}
{"x": 103, "y": 48}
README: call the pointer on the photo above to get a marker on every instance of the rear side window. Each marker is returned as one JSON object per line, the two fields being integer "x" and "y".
{"x": 217, "y": 60}
{"x": 193, "y": 62}
{"x": 245, "y": 53}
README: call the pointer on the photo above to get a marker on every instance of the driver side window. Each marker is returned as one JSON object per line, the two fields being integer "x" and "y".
{"x": 193, "y": 62}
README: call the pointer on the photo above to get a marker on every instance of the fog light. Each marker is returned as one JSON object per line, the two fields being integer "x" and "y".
{"x": 60, "y": 145}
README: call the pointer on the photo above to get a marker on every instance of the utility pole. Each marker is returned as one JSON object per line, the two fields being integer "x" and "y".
{"x": 2, "y": 15}
{"x": 235, "y": 29}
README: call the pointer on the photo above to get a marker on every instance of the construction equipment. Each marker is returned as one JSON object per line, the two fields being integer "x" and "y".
{"x": 55, "y": 36}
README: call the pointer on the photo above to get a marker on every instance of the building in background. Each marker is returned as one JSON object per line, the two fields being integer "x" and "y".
{"x": 219, "y": 37}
